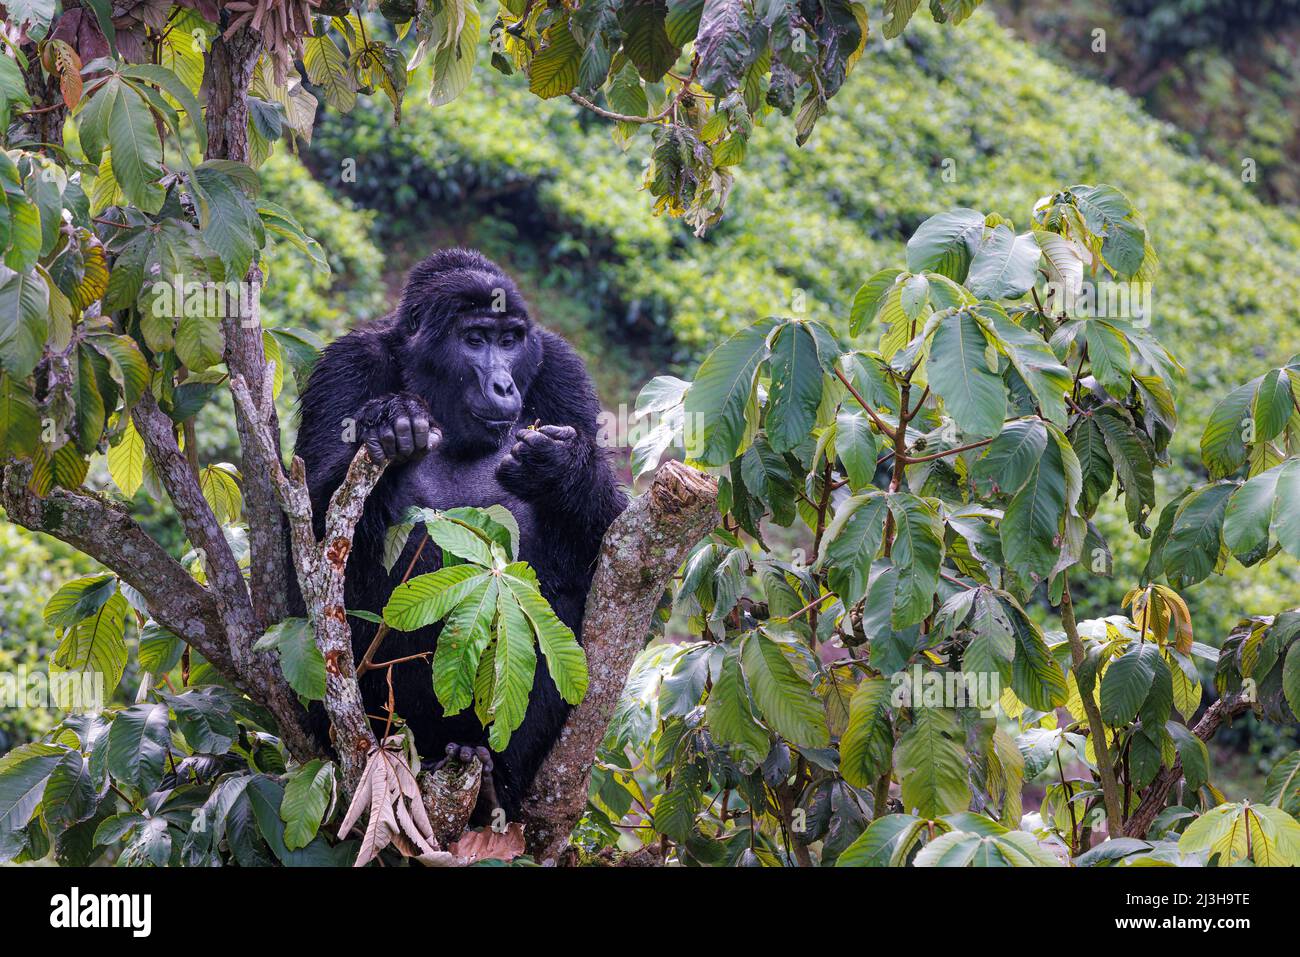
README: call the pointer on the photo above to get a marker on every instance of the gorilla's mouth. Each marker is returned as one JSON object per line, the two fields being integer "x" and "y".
{"x": 496, "y": 424}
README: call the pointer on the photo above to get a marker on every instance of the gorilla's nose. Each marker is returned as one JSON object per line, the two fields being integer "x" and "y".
{"x": 503, "y": 395}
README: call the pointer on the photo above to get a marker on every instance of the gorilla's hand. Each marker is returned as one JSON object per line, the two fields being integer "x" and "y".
{"x": 540, "y": 461}
{"x": 397, "y": 428}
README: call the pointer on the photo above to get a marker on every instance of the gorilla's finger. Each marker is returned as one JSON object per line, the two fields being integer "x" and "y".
{"x": 405, "y": 441}
{"x": 533, "y": 438}
{"x": 518, "y": 450}
{"x": 466, "y": 754}
{"x": 388, "y": 439}
{"x": 561, "y": 433}
{"x": 376, "y": 450}
{"x": 420, "y": 433}
{"x": 434, "y": 439}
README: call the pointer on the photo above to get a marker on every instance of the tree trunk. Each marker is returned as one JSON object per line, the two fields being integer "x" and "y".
{"x": 641, "y": 552}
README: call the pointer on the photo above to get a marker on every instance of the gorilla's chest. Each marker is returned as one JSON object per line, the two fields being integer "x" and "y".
{"x": 437, "y": 482}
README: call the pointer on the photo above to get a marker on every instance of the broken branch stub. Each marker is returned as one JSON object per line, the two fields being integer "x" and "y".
{"x": 641, "y": 552}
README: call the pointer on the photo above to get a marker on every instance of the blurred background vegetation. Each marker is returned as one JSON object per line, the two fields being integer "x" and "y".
{"x": 1009, "y": 106}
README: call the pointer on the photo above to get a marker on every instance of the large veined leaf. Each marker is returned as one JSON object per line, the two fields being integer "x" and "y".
{"x": 20, "y": 419}
{"x": 900, "y": 12}
{"x": 1011, "y": 458}
{"x": 1272, "y": 405}
{"x": 565, "y": 660}
{"x": 964, "y": 849}
{"x": 461, "y": 644}
{"x": 1032, "y": 359}
{"x": 729, "y": 713}
{"x": 1224, "y": 441}
{"x": 308, "y": 796}
{"x": 784, "y": 699}
{"x": 1131, "y": 458}
{"x": 796, "y": 386}
{"x": 220, "y": 489}
{"x": 1291, "y": 678}
{"x": 1286, "y": 524}
{"x": 553, "y": 70}
{"x": 70, "y": 794}
{"x": 205, "y": 719}
{"x": 24, "y": 772}
{"x": 917, "y": 554}
{"x": 1192, "y": 549}
{"x": 930, "y": 761}
{"x": 850, "y": 543}
{"x": 137, "y": 152}
{"x": 1249, "y": 513}
{"x": 1032, "y": 520}
{"x": 856, "y": 446}
{"x": 1036, "y": 678}
{"x": 1108, "y": 353}
{"x": 513, "y": 664}
{"x": 126, "y": 461}
{"x": 79, "y": 599}
{"x": 1004, "y": 265}
{"x": 1127, "y": 682}
{"x": 946, "y": 242}
{"x": 327, "y": 67}
{"x": 424, "y": 599}
{"x": 1233, "y": 833}
{"x": 715, "y": 405}
{"x": 1282, "y": 789}
{"x": 887, "y": 842}
{"x": 300, "y": 658}
{"x": 973, "y": 394}
{"x": 646, "y": 42}
{"x": 453, "y": 61}
{"x": 96, "y": 644}
{"x": 24, "y": 307}
{"x": 137, "y": 743}
{"x": 1096, "y": 467}
{"x": 868, "y": 298}
{"x": 866, "y": 748}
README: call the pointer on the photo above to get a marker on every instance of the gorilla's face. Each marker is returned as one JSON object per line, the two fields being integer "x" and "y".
{"x": 478, "y": 376}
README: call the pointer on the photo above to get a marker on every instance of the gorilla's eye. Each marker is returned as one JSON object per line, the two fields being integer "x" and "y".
{"x": 508, "y": 340}
{"x": 474, "y": 339}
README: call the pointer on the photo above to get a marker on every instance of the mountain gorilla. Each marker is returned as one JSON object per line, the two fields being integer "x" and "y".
{"x": 441, "y": 389}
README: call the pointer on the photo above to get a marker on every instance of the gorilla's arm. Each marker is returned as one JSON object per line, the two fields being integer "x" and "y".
{"x": 573, "y": 477}
{"x": 355, "y": 373}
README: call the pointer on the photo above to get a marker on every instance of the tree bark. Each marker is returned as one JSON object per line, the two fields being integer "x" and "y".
{"x": 641, "y": 552}
{"x": 1153, "y": 800}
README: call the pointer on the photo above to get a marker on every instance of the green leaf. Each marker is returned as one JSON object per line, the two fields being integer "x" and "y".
{"x": 458, "y": 538}
{"x": 24, "y": 772}
{"x": 1291, "y": 678}
{"x": 20, "y": 419}
{"x": 1282, "y": 789}
{"x": 1127, "y": 682}
{"x": 887, "y": 842}
{"x": 1192, "y": 549}
{"x": 958, "y": 371}
{"x": 514, "y": 662}
{"x": 205, "y": 719}
{"x": 868, "y": 298}
{"x": 460, "y": 645}
{"x": 729, "y": 715}
{"x": 646, "y": 41}
{"x": 328, "y": 68}
{"x": 308, "y": 796}
{"x": 300, "y": 658}
{"x": 137, "y": 152}
{"x": 796, "y": 386}
{"x": 1036, "y": 678}
{"x": 917, "y": 554}
{"x": 867, "y": 746}
{"x": 785, "y": 701}
{"x": 232, "y": 227}
{"x": 79, "y": 599}
{"x": 1286, "y": 524}
{"x": 1249, "y": 513}
{"x": 1012, "y": 458}
{"x": 1272, "y": 405}
{"x": 1108, "y": 352}
{"x": 96, "y": 644}
{"x": 126, "y": 461}
{"x": 553, "y": 70}
{"x": 220, "y": 489}
{"x": 1032, "y": 359}
{"x": 856, "y": 446}
{"x": 946, "y": 242}
{"x": 1032, "y": 520}
{"x": 1132, "y": 462}
{"x": 717, "y": 401}
{"x": 851, "y": 542}
{"x": 24, "y": 307}
{"x": 453, "y": 63}
{"x": 900, "y": 12}
{"x": 1004, "y": 265}
{"x": 565, "y": 661}
{"x": 137, "y": 742}
{"x": 424, "y": 599}
{"x": 930, "y": 761}
{"x": 71, "y": 795}
{"x": 1223, "y": 443}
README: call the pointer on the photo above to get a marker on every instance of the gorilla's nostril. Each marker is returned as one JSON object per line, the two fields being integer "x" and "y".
{"x": 504, "y": 388}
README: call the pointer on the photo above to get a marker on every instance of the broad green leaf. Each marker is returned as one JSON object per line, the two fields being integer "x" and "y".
{"x": 96, "y": 644}
{"x": 553, "y": 70}
{"x": 868, "y": 297}
{"x": 856, "y": 446}
{"x": 565, "y": 661}
{"x": 137, "y": 152}
{"x": 917, "y": 554}
{"x": 1249, "y": 513}
{"x": 1192, "y": 549}
{"x": 308, "y": 796}
{"x": 729, "y": 714}
{"x": 851, "y": 542}
{"x": 460, "y": 645}
{"x": 79, "y": 599}
{"x": 887, "y": 842}
{"x": 1032, "y": 520}
{"x": 514, "y": 663}
{"x": 71, "y": 795}
{"x": 1004, "y": 265}
{"x": 945, "y": 243}
{"x": 796, "y": 386}
{"x": 972, "y": 393}
{"x": 126, "y": 461}
{"x": 1108, "y": 353}
{"x": 24, "y": 306}
{"x": 24, "y": 772}
{"x": 300, "y": 658}
{"x": 20, "y": 419}
{"x": 930, "y": 761}
{"x": 1282, "y": 789}
{"x": 866, "y": 749}
{"x": 1132, "y": 460}
{"x": 1032, "y": 359}
{"x": 716, "y": 403}
{"x": 1012, "y": 457}
{"x": 784, "y": 699}
{"x": 1126, "y": 683}
{"x": 206, "y": 721}
{"x": 137, "y": 742}
{"x": 1224, "y": 441}
{"x": 424, "y": 599}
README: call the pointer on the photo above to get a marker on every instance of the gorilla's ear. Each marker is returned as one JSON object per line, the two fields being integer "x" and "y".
{"x": 452, "y": 282}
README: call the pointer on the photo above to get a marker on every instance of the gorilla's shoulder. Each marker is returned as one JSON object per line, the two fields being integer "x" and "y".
{"x": 364, "y": 353}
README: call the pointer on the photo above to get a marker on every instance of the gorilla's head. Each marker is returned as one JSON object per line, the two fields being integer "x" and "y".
{"x": 471, "y": 350}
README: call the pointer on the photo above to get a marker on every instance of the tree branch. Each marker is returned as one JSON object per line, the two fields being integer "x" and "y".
{"x": 1153, "y": 800}
{"x": 107, "y": 533}
{"x": 641, "y": 552}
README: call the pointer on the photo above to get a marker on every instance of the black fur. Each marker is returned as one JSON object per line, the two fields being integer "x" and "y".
{"x": 564, "y": 492}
